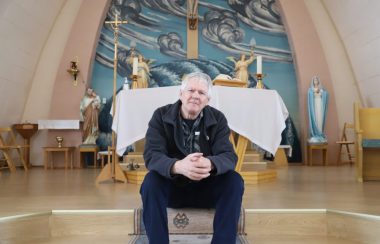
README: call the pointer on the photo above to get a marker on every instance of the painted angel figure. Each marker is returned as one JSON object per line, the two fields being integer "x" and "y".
{"x": 241, "y": 66}
{"x": 143, "y": 72}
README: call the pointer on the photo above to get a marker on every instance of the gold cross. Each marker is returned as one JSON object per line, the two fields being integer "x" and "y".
{"x": 116, "y": 22}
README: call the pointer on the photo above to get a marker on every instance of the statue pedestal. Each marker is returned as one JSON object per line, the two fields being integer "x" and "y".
{"x": 311, "y": 147}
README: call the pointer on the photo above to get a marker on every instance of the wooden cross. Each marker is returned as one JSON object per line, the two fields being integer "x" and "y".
{"x": 192, "y": 29}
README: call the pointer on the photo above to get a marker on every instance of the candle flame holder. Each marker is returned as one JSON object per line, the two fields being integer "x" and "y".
{"x": 259, "y": 84}
{"x": 74, "y": 71}
{"x": 134, "y": 82}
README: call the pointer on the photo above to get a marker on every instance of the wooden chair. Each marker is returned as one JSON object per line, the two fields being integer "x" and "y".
{"x": 322, "y": 147}
{"x": 367, "y": 144}
{"x": 8, "y": 144}
{"x": 344, "y": 143}
{"x": 83, "y": 149}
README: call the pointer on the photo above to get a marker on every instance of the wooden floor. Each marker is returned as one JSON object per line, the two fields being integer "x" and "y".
{"x": 297, "y": 187}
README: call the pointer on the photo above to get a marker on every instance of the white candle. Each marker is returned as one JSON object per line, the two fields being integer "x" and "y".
{"x": 135, "y": 65}
{"x": 259, "y": 64}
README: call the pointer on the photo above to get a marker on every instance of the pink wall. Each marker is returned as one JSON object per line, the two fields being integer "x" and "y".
{"x": 309, "y": 60}
{"x": 82, "y": 42}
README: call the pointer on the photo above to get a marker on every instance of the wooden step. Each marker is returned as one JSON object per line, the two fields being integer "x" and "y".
{"x": 135, "y": 157}
{"x": 258, "y": 172}
{"x": 135, "y": 176}
{"x": 255, "y": 163}
{"x": 251, "y": 156}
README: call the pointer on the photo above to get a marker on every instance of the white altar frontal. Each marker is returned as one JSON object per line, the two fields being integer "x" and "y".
{"x": 257, "y": 114}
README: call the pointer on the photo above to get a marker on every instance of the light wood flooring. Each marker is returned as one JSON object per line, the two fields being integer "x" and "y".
{"x": 297, "y": 187}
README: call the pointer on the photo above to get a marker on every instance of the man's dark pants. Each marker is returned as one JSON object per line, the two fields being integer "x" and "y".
{"x": 223, "y": 192}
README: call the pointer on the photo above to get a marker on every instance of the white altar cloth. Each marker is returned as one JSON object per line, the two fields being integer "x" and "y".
{"x": 58, "y": 124}
{"x": 257, "y": 114}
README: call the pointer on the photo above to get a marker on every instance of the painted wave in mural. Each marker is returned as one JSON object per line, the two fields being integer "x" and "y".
{"x": 220, "y": 25}
{"x": 221, "y": 28}
{"x": 259, "y": 14}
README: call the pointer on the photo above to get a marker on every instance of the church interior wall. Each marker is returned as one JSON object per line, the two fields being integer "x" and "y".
{"x": 310, "y": 61}
{"x": 25, "y": 27}
{"x": 52, "y": 90}
{"x": 80, "y": 44}
{"x": 358, "y": 25}
{"x": 49, "y": 63}
{"x": 342, "y": 76}
{"x": 41, "y": 92}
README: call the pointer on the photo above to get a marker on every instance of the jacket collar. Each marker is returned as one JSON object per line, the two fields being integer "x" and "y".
{"x": 171, "y": 115}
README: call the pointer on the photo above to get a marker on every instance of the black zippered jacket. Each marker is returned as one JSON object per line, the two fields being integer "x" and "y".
{"x": 164, "y": 140}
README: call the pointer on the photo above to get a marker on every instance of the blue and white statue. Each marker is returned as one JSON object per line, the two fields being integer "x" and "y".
{"x": 317, "y": 101}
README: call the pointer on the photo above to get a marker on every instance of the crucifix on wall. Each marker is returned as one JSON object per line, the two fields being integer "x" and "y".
{"x": 192, "y": 29}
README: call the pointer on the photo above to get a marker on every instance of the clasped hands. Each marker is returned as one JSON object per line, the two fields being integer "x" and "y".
{"x": 194, "y": 166}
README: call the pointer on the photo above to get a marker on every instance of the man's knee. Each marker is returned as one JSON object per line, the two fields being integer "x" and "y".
{"x": 152, "y": 182}
{"x": 234, "y": 182}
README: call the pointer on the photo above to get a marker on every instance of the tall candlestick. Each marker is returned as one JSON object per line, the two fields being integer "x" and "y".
{"x": 259, "y": 64}
{"x": 135, "y": 66}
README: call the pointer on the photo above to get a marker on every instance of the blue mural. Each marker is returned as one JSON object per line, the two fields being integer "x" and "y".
{"x": 156, "y": 29}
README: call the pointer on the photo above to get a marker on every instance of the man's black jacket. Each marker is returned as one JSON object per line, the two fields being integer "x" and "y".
{"x": 164, "y": 140}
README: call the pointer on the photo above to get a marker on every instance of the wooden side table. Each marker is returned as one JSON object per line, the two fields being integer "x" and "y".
{"x": 311, "y": 147}
{"x": 88, "y": 149}
{"x": 67, "y": 150}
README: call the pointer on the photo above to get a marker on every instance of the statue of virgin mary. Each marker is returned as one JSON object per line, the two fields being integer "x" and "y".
{"x": 317, "y": 101}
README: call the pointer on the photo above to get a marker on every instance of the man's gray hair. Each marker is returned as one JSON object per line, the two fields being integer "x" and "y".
{"x": 202, "y": 77}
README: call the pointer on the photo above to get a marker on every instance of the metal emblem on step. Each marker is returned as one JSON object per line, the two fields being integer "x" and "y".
{"x": 181, "y": 221}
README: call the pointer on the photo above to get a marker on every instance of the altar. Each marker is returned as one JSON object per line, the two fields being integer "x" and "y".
{"x": 256, "y": 114}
